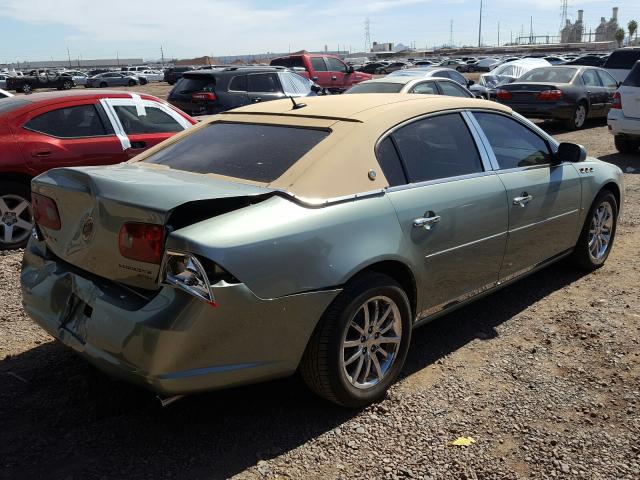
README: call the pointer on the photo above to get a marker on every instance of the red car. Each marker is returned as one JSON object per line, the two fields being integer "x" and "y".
{"x": 61, "y": 129}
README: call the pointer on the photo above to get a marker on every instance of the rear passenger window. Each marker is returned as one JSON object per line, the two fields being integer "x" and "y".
{"x": 607, "y": 80}
{"x": 318, "y": 64}
{"x": 390, "y": 163}
{"x": 239, "y": 83}
{"x": 72, "y": 122}
{"x": 633, "y": 79}
{"x": 513, "y": 144}
{"x": 264, "y": 82}
{"x": 154, "y": 120}
{"x": 453, "y": 90}
{"x": 590, "y": 78}
{"x": 437, "y": 147}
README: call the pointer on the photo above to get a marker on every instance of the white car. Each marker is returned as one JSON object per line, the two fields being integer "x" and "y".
{"x": 151, "y": 75}
{"x": 624, "y": 117}
{"x": 621, "y": 61}
{"x": 79, "y": 78}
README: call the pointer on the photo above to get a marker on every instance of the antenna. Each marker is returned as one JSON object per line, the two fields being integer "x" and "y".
{"x": 297, "y": 106}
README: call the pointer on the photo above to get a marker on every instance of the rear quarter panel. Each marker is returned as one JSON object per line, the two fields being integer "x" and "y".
{"x": 11, "y": 159}
{"x": 279, "y": 247}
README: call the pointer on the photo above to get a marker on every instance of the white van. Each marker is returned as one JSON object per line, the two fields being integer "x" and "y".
{"x": 621, "y": 61}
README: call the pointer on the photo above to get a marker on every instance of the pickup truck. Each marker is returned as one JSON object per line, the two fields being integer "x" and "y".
{"x": 40, "y": 79}
{"x": 328, "y": 71}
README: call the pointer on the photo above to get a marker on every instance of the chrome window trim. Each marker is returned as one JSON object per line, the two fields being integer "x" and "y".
{"x": 438, "y": 181}
{"x": 486, "y": 154}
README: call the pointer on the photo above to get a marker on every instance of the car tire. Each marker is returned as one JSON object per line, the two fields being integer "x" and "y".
{"x": 67, "y": 85}
{"x": 578, "y": 117}
{"x": 625, "y": 145}
{"x": 103, "y": 84}
{"x": 324, "y": 367}
{"x": 26, "y": 88}
{"x": 13, "y": 210}
{"x": 601, "y": 230}
{"x": 143, "y": 81}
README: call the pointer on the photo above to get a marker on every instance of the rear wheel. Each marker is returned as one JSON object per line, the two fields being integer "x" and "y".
{"x": 26, "y": 88}
{"x": 132, "y": 83}
{"x": 16, "y": 215}
{"x": 67, "y": 85}
{"x": 578, "y": 117}
{"x": 360, "y": 345}
{"x": 626, "y": 145}
{"x": 103, "y": 84}
{"x": 599, "y": 231}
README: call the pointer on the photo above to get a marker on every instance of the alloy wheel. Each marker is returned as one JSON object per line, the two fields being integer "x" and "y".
{"x": 16, "y": 219}
{"x": 580, "y": 116}
{"x": 600, "y": 230}
{"x": 371, "y": 342}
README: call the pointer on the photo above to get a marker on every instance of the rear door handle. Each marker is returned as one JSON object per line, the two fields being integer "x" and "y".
{"x": 427, "y": 222}
{"x": 334, "y": 78}
{"x": 523, "y": 200}
{"x": 41, "y": 153}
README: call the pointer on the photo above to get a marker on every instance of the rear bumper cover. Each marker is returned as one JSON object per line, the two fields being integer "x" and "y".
{"x": 621, "y": 125}
{"x": 170, "y": 342}
{"x": 559, "y": 110}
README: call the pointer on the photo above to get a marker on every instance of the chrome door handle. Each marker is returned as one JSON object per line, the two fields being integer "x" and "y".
{"x": 426, "y": 222}
{"x": 522, "y": 201}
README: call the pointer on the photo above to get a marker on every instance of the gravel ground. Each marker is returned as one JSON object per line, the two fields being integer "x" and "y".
{"x": 543, "y": 375}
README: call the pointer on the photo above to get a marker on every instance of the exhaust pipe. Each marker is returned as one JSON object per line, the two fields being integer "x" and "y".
{"x": 166, "y": 401}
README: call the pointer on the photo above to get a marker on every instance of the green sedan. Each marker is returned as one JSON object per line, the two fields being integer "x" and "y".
{"x": 310, "y": 237}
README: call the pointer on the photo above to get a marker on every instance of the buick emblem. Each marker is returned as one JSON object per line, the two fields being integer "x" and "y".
{"x": 87, "y": 229}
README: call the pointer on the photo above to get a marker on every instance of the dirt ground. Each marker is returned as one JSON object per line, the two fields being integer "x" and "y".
{"x": 543, "y": 375}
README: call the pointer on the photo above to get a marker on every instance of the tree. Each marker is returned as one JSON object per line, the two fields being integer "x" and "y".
{"x": 619, "y": 36}
{"x": 633, "y": 29}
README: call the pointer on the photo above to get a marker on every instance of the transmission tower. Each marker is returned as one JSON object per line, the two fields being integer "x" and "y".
{"x": 367, "y": 35}
{"x": 451, "y": 34}
{"x": 563, "y": 15}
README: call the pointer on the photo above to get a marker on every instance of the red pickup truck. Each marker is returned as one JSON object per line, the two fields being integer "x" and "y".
{"x": 328, "y": 71}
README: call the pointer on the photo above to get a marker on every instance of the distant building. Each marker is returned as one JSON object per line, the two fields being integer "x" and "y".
{"x": 606, "y": 31}
{"x": 382, "y": 47}
{"x": 572, "y": 32}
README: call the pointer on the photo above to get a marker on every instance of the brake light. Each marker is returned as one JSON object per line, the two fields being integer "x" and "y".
{"x": 204, "y": 96}
{"x": 45, "y": 212}
{"x": 549, "y": 95}
{"x": 142, "y": 242}
{"x": 617, "y": 101}
{"x": 503, "y": 94}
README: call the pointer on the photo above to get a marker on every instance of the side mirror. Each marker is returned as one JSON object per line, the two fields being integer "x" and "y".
{"x": 350, "y": 69}
{"x": 470, "y": 82}
{"x": 315, "y": 79}
{"x": 570, "y": 152}
{"x": 316, "y": 88}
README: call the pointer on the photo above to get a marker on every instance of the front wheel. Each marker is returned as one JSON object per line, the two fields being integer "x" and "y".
{"x": 103, "y": 84}
{"x": 26, "y": 88}
{"x": 360, "y": 345}
{"x": 598, "y": 232}
{"x": 16, "y": 215}
{"x": 67, "y": 85}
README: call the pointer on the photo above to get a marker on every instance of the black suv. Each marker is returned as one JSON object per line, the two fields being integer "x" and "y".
{"x": 207, "y": 92}
{"x": 172, "y": 75}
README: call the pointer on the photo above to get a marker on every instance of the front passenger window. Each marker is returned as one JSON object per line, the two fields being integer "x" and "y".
{"x": 513, "y": 144}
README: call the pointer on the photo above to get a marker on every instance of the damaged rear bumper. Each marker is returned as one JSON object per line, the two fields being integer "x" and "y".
{"x": 169, "y": 341}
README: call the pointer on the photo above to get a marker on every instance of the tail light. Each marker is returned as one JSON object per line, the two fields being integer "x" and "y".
{"x": 502, "y": 94}
{"x": 549, "y": 95}
{"x": 45, "y": 212}
{"x": 204, "y": 96}
{"x": 142, "y": 242}
{"x": 617, "y": 101}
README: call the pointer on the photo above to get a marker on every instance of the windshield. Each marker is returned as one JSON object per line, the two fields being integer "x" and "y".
{"x": 190, "y": 85}
{"x": 376, "y": 87}
{"x": 249, "y": 151}
{"x": 550, "y": 74}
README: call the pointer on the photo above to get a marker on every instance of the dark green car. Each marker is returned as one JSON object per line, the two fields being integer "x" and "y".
{"x": 313, "y": 237}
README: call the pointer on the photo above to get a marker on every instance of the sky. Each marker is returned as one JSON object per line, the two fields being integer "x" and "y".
{"x": 44, "y": 29}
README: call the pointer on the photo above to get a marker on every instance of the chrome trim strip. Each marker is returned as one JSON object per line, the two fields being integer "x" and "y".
{"x": 544, "y": 221}
{"x": 438, "y": 181}
{"x": 486, "y": 154}
{"x": 115, "y": 122}
{"x": 467, "y": 244}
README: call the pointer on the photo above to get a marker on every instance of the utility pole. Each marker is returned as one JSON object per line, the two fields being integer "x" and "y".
{"x": 451, "y": 33}
{"x": 69, "y": 57}
{"x": 480, "y": 27}
{"x": 498, "y": 33}
{"x": 531, "y": 31}
{"x": 118, "y": 58}
{"x": 367, "y": 35}
{"x": 162, "y": 55}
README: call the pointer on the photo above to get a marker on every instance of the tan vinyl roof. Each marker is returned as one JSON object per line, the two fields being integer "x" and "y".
{"x": 339, "y": 165}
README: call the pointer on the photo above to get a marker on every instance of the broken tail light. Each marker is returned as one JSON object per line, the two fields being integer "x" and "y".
{"x": 187, "y": 273}
{"x": 45, "y": 212}
{"x": 142, "y": 242}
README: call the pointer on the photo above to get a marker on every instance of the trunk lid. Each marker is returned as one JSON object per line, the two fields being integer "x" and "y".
{"x": 527, "y": 92}
{"x": 94, "y": 203}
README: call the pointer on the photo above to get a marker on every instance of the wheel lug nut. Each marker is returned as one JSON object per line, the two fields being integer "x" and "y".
{"x": 363, "y": 339}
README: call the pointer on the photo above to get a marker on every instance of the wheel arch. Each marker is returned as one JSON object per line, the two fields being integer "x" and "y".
{"x": 400, "y": 272}
{"x": 614, "y": 189}
{"x": 16, "y": 177}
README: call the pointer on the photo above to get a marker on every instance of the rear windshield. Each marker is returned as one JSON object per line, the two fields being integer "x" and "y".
{"x": 11, "y": 103}
{"x": 376, "y": 87}
{"x": 549, "y": 74}
{"x": 190, "y": 85}
{"x": 242, "y": 150}
{"x": 623, "y": 59}
{"x": 632, "y": 80}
